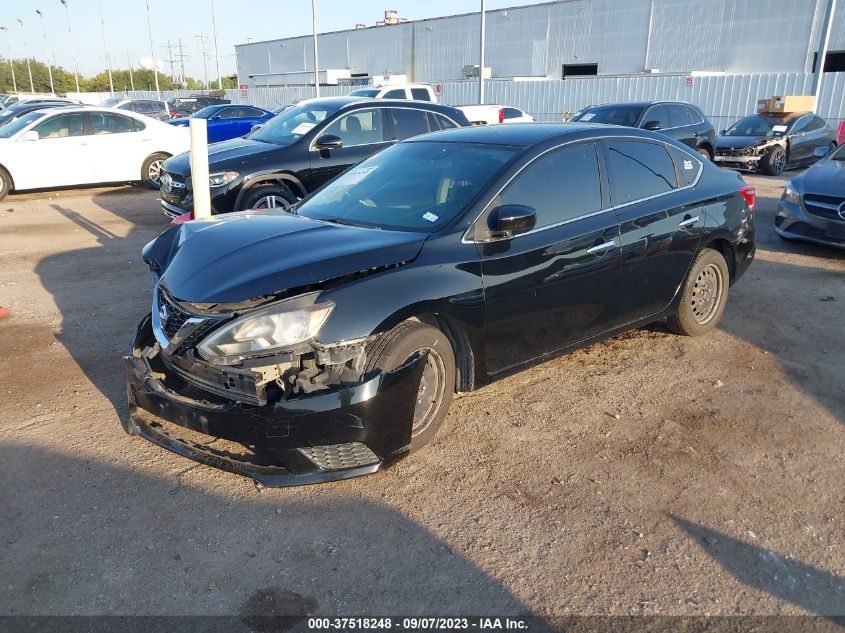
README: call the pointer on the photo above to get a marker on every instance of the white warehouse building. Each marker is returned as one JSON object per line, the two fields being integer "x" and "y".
{"x": 563, "y": 39}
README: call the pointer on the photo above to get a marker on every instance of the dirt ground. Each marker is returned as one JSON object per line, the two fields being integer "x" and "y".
{"x": 649, "y": 474}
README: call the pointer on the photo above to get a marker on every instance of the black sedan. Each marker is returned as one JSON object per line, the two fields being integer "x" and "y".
{"x": 772, "y": 143}
{"x": 812, "y": 207}
{"x": 683, "y": 122}
{"x": 327, "y": 341}
{"x": 298, "y": 150}
{"x": 17, "y": 110}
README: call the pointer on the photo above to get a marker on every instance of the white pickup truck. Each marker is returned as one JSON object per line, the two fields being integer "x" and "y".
{"x": 492, "y": 114}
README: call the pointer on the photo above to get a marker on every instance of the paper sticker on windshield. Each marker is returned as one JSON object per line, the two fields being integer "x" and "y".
{"x": 354, "y": 176}
{"x": 778, "y": 128}
{"x": 431, "y": 217}
{"x": 588, "y": 116}
{"x": 687, "y": 164}
{"x": 303, "y": 127}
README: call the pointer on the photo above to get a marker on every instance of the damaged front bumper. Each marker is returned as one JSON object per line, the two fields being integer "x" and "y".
{"x": 331, "y": 434}
{"x": 738, "y": 162}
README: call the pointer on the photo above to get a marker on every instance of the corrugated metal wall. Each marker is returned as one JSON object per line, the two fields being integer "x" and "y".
{"x": 724, "y": 98}
{"x": 621, "y": 36}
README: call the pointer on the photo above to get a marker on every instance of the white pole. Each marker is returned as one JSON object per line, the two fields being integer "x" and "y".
{"x": 46, "y": 51}
{"x": 26, "y": 48}
{"x": 72, "y": 48}
{"x": 152, "y": 50}
{"x": 483, "y": 41}
{"x": 106, "y": 46}
{"x": 11, "y": 65}
{"x": 131, "y": 73}
{"x": 316, "y": 62}
{"x": 216, "y": 49}
{"x": 199, "y": 168}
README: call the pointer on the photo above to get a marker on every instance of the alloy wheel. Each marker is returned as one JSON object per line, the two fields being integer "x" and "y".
{"x": 154, "y": 171}
{"x": 779, "y": 163}
{"x": 271, "y": 202}
{"x": 707, "y": 294}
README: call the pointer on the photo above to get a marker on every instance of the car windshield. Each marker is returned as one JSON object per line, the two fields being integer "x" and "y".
{"x": 758, "y": 126}
{"x": 294, "y": 123}
{"x": 110, "y": 103}
{"x": 206, "y": 112}
{"x": 417, "y": 187}
{"x": 13, "y": 127}
{"x": 839, "y": 154}
{"x": 613, "y": 114}
{"x": 365, "y": 92}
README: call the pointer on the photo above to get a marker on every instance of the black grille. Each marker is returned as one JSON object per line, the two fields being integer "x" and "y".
{"x": 176, "y": 316}
{"x": 823, "y": 206}
{"x": 743, "y": 151}
{"x": 340, "y": 456}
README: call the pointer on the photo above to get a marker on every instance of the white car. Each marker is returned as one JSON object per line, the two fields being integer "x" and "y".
{"x": 62, "y": 147}
{"x": 411, "y": 92}
{"x": 493, "y": 114}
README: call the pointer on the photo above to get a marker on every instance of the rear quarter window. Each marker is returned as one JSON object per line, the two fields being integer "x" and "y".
{"x": 687, "y": 166}
{"x": 639, "y": 169}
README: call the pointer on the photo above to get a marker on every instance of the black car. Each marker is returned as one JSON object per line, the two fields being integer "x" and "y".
{"x": 327, "y": 341}
{"x": 17, "y": 110}
{"x": 300, "y": 149}
{"x": 683, "y": 122}
{"x": 186, "y": 106}
{"x": 773, "y": 142}
{"x": 153, "y": 108}
{"x": 812, "y": 207}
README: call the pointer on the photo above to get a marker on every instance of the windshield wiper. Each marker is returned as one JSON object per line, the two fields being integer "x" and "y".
{"x": 346, "y": 222}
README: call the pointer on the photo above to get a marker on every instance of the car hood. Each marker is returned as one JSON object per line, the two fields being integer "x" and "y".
{"x": 741, "y": 142}
{"x": 241, "y": 256}
{"x": 228, "y": 154}
{"x": 826, "y": 177}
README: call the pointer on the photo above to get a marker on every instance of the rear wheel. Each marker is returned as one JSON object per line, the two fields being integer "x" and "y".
{"x": 268, "y": 197}
{"x": 5, "y": 183}
{"x": 705, "y": 153}
{"x": 393, "y": 348}
{"x": 704, "y": 297}
{"x": 774, "y": 162}
{"x": 151, "y": 170}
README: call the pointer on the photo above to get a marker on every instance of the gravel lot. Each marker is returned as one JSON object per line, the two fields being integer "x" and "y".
{"x": 649, "y": 474}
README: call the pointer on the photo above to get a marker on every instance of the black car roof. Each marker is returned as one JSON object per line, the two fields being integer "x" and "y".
{"x": 528, "y": 134}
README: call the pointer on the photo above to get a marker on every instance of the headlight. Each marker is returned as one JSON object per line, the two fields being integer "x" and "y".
{"x": 266, "y": 331}
{"x": 790, "y": 194}
{"x": 218, "y": 180}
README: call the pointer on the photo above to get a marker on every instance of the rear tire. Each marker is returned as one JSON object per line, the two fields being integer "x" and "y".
{"x": 393, "y": 348}
{"x": 151, "y": 170}
{"x": 704, "y": 296}
{"x": 268, "y": 197}
{"x": 774, "y": 162}
{"x": 705, "y": 153}
{"x": 5, "y": 183}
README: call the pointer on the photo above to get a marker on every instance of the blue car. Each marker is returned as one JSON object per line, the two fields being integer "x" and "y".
{"x": 227, "y": 121}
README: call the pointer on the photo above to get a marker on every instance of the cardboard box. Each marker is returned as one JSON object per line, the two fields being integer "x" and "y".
{"x": 789, "y": 103}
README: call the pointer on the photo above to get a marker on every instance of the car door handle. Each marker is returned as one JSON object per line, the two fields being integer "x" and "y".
{"x": 688, "y": 222}
{"x": 601, "y": 248}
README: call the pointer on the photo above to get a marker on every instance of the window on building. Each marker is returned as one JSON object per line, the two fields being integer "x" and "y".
{"x": 834, "y": 62}
{"x": 580, "y": 70}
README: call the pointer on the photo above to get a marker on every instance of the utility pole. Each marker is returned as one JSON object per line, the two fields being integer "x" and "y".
{"x": 482, "y": 46}
{"x": 216, "y": 48}
{"x": 11, "y": 65}
{"x": 170, "y": 58}
{"x": 131, "y": 75}
{"x": 202, "y": 43}
{"x": 106, "y": 46}
{"x": 182, "y": 58}
{"x": 46, "y": 51}
{"x": 28, "y": 65}
{"x": 821, "y": 54}
{"x": 72, "y": 48}
{"x": 152, "y": 50}
{"x": 314, "y": 32}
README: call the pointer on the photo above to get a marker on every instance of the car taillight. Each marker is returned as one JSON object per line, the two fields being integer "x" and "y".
{"x": 175, "y": 115}
{"x": 750, "y": 195}
{"x": 501, "y": 115}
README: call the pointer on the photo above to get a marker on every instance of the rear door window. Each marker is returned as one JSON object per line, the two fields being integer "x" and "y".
{"x": 113, "y": 123}
{"x": 678, "y": 116}
{"x": 693, "y": 115}
{"x": 512, "y": 113}
{"x": 639, "y": 169}
{"x": 408, "y": 122}
{"x": 659, "y": 113}
{"x": 398, "y": 93}
{"x": 420, "y": 94}
{"x": 439, "y": 122}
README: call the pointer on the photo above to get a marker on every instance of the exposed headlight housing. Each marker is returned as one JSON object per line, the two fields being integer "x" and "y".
{"x": 266, "y": 331}
{"x": 790, "y": 194}
{"x": 224, "y": 178}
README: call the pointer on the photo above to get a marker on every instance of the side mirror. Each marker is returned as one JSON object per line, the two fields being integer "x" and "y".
{"x": 30, "y": 135}
{"x": 821, "y": 152}
{"x": 722, "y": 132}
{"x": 509, "y": 220}
{"x": 329, "y": 141}
{"x": 652, "y": 125}
{"x": 257, "y": 126}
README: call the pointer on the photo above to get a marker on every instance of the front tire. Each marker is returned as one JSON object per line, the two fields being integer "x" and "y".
{"x": 705, "y": 153}
{"x": 5, "y": 183}
{"x": 774, "y": 162}
{"x": 704, "y": 296}
{"x": 151, "y": 170}
{"x": 268, "y": 197}
{"x": 393, "y": 348}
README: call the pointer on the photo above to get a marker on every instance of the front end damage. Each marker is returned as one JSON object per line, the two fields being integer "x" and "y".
{"x": 749, "y": 157}
{"x": 306, "y": 416}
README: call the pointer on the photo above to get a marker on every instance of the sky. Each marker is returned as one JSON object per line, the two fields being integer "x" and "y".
{"x": 238, "y": 21}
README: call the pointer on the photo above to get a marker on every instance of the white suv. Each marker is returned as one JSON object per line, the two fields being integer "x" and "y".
{"x": 412, "y": 92}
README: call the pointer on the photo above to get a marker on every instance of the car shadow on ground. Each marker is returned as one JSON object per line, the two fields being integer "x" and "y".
{"x": 171, "y": 549}
{"x": 803, "y": 585}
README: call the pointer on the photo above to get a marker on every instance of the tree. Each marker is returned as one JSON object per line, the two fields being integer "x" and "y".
{"x": 62, "y": 80}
